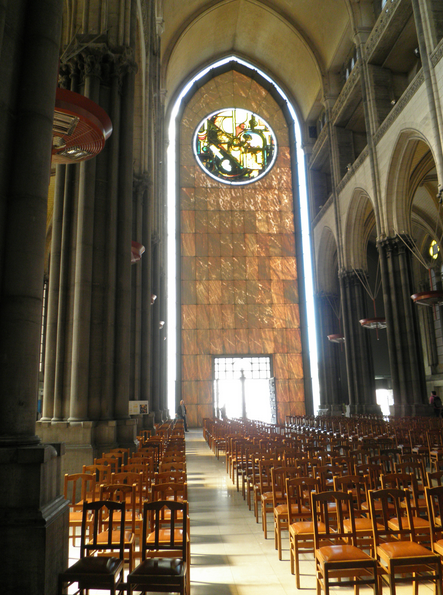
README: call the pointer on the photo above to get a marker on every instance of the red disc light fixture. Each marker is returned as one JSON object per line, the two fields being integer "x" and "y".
{"x": 80, "y": 128}
{"x": 136, "y": 252}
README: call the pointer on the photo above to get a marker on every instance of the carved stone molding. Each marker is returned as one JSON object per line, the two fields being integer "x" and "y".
{"x": 323, "y": 210}
{"x": 354, "y": 167}
{"x": 349, "y": 86}
{"x": 318, "y": 146}
{"x": 437, "y": 54}
{"x": 380, "y": 26}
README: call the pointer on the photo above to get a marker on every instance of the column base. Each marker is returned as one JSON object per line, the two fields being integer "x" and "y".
{"x": 34, "y": 519}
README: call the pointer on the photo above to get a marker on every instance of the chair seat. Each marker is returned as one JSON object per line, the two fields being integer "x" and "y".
{"x": 418, "y": 522}
{"x": 341, "y": 553}
{"x": 105, "y": 566}
{"x": 305, "y": 528}
{"x": 165, "y": 535}
{"x": 158, "y": 566}
{"x": 103, "y": 537}
{"x": 403, "y": 549}
{"x": 361, "y": 524}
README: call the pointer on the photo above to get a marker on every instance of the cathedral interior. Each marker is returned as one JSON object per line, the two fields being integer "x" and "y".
{"x": 204, "y": 178}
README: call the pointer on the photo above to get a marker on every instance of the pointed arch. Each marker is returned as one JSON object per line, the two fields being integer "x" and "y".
{"x": 360, "y": 223}
{"x": 326, "y": 262}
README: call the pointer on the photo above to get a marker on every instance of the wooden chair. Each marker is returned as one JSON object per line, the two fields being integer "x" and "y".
{"x": 126, "y": 494}
{"x": 78, "y": 488}
{"x": 397, "y": 550}
{"x": 301, "y": 527}
{"x": 434, "y": 499}
{"x": 434, "y": 478}
{"x": 336, "y": 555}
{"x": 97, "y": 572}
{"x": 102, "y": 475}
{"x": 266, "y": 497}
{"x": 279, "y": 502}
{"x": 164, "y": 550}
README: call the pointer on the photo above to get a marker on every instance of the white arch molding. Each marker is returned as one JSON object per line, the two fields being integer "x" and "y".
{"x": 171, "y": 202}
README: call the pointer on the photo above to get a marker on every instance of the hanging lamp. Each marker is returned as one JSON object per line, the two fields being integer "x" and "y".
{"x": 376, "y": 323}
{"x": 336, "y": 338}
{"x": 80, "y": 128}
{"x": 137, "y": 250}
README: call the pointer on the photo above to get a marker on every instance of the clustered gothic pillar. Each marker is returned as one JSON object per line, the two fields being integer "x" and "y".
{"x": 332, "y": 393}
{"x": 405, "y": 352}
{"x": 359, "y": 363}
{"x": 88, "y": 356}
{"x": 33, "y": 513}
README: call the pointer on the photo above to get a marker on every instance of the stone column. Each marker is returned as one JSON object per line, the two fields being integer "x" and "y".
{"x": 332, "y": 390}
{"x": 33, "y": 514}
{"x": 360, "y": 369}
{"x": 405, "y": 351}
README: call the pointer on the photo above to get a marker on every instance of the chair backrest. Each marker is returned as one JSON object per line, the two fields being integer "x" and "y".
{"x": 434, "y": 502}
{"x": 264, "y": 470}
{"x": 393, "y": 503}
{"x": 96, "y": 516}
{"x": 165, "y": 521}
{"x": 357, "y": 486}
{"x": 121, "y": 492}
{"x": 434, "y": 478}
{"x": 278, "y": 480}
{"x": 172, "y": 491}
{"x": 333, "y": 529}
{"x": 102, "y": 472}
{"x": 170, "y": 477}
{"x": 298, "y": 497}
{"x": 78, "y": 488}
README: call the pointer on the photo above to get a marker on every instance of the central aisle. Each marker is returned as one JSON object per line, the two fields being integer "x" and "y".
{"x": 229, "y": 554}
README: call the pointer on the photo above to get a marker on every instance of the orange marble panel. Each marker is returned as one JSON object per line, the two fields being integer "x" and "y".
{"x": 239, "y": 267}
{"x": 204, "y": 367}
{"x": 201, "y": 199}
{"x": 204, "y": 394}
{"x": 214, "y": 292}
{"x": 189, "y": 342}
{"x": 262, "y": 244}
{"x": 213, "y": 222}
{"x": 226, "y": 268}
{"x": 187, "y": 199}
{"x": 252, "y": 293}
{"x": 203, "y": 412}
{"x": 281, "y": 390}
{"x": 188, "y": 267}
{"x": 213, "y": 200}
{"x": 285, "y": 200}
{"x": 201, "y": 268}
{"x": 214, "y": 267}
{"x": 224, "y": 199}
{"x": 288, "y": 268}
{"x": 295, "y": 365}
{"x": 201, "y": 244}
{"x": 277, "y": 290}
{"x": 189, "y": 367}
{"x": 275, "y": 248}
{"x": 238, "y": 222}
{"x": 266, "y": 316}
{"x": 215, "y": 315}
{"x": 216, "y": 342}
{"x": 276, "y": 268}
{"x": 279, "y": 311}
{"x": 255, "y": 341}
{"x": 238, "y": 244}
{"x": 280, "y": 341}
{"x": 292, "y": 316}
{"x": 239, "y": 291}
{"x": 189, "y": 316}
{"x": 241, "y": 341}
{"x": 250, "y": 222}
{"x": 203, "y": 341}
{"x": 251, "y": 267}
{"x": 190, "y": 392}
{"x": 254, "y": 321}
{"x": 202, "y": 292}
{"x": 229, "y": 342}
{"x": 228, "y": 317}
{"x": 264, "y": 292}
{"x": 288, "y": 244}
{"x": 225, "y": 222}
{"x": 187, "y": 176}
{"x": 202, "y": 321}
{"x": 293, "y": 340}
{"x": 201, "y": 221}
{"x": 228, "y": 292}
{"x": 189, "y": 293}
{"x": 273, "y": 201}
{"x": 261, "y": 218}
{"x": 237, "y": 199}
{"x": 187, "y": 244}
{"x": 241, "y": 316}
{"x": 283, "y": 157}
{"x": 290, "y": 290}
{"x": 226, "y": 246}
{"x": 274, "y": 221}
{"x": 287, "y": 222}
{"x": 264, "y": 268}
{"x": 202, "y": 180}
{"x": 214, "y": 246}
{"x": 187, "y": 221}
{"x": 251, "y": 244}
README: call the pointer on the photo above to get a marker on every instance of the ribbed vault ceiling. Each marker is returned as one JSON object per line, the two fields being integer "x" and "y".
{"x": 296, "y": 42}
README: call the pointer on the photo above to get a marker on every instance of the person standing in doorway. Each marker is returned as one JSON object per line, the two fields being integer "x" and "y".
{"x": 183, "y": 414}
{"x": 435, "y": 401}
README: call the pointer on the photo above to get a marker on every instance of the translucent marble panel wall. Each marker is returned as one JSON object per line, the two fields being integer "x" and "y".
{"x": 239, "y": 292}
